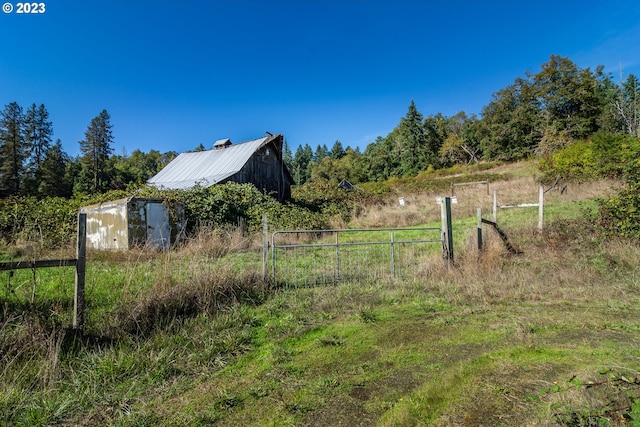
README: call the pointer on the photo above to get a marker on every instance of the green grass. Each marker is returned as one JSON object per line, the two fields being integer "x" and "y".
{"x": 543, "y": 338}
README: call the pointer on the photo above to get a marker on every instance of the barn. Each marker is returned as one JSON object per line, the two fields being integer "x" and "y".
{"x": 258, "y": 162}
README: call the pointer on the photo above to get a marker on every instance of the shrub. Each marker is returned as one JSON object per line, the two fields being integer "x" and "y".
{"x": 573, "y": 163}
{"x": 218, "y": 205}
{"x": 616, "y": 155}
{"x": 620, "y": 215}
{"x": 52, "y": 221}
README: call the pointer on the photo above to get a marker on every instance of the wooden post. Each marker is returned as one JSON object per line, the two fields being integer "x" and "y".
{"x": 81, "y": 255}
{"x": 447, "y": 230}
{"x": 443, "y": 231}
{"x": 540, "y": 208}
{"x": 479, "y": 226}
{"x": 265, "y": 247}
{"x": 495, "y": 205}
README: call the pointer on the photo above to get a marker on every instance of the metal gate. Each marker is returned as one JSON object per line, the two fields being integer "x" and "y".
{"x": 311, "y": 257}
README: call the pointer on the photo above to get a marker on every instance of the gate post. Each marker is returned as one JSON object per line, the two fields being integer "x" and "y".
{"x": 265, "y": 247}
{"x": 479, "y": 226}
{"x": 81, "y": 259}
{"x": 447, "y": 230}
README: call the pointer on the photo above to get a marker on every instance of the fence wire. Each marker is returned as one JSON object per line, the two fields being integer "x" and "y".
{"x": 317, "y": 257}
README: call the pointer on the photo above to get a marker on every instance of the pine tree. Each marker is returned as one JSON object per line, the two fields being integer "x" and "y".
{"x": 321, "y": 152}
{"x": 53, "y": 180}
{"x": 412, "y": 142}
{"x": 12, "y": 149}
{"x": 337, "y": 151}
{"x": 287, "y": 156}
{"x": 301, "y": 164}
{"x": 95, "y": 176}
{"x": 38, "y": 131}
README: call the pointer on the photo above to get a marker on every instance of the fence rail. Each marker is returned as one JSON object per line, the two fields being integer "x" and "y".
{"x": 309, "y": 257}
{"x": 539, "y": 205}
{"x": 79, "y": 263}
{"x": 44, "y": 263}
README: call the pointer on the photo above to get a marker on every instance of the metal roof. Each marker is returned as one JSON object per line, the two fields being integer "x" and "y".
{"x": 205, "y": 168}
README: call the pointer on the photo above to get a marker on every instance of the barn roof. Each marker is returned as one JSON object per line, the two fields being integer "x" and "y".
{"x": 206, "y": 168}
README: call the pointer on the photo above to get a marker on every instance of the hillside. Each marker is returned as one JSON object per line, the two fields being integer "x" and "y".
{"x": 195, "y": 337}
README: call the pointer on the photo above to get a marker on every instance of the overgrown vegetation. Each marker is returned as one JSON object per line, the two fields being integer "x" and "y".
{"x": 604, "y": 155}
{"x": 195, "y": 336}
{"x": 52, "y": 221}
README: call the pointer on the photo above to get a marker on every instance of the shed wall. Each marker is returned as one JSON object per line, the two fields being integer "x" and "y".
{"x": 107, "y": 226}
{"x": 124, "y": 224}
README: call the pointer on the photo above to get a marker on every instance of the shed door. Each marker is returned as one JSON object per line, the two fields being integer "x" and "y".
{"x": 158, "y": 229}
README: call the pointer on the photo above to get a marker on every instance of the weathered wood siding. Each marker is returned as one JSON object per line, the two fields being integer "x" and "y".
{"x": 265, "y": 170}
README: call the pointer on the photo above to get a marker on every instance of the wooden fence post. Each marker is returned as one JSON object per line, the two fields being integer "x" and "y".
{"x": 81, "y": 256}
{"x": 540, "y": 208}
{"x": 495, "y": 205}
{"x": 447, "y": 230}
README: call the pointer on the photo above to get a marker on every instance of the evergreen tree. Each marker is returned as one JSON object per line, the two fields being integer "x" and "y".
{"x": 302, "y": 164}
{"x": 287, "y": 156}
{"x": 38, "y": 132}
{"x": 321, "y": 152}
{"x": 72, "y": 174}
{"x": 411, "y": 142}
{"x": 436, "y": 130}
{"x": 95, "y": 176}
{"x": 379, "y": 162}
{"x": 337, "y": 151}
{"x": 12, "y": 149}
{"x": 308, "y": 154}
{"x": 53, "y": 177}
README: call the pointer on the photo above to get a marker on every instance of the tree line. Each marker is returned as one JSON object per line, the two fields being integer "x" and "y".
{"x": 534, "y": 116}
{"x": 31, "y": 165}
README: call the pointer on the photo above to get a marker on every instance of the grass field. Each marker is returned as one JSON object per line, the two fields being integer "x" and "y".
{"x": 196, "y": 337}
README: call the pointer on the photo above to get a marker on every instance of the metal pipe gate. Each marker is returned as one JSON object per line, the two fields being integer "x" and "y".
{"x": 310, "y": 257}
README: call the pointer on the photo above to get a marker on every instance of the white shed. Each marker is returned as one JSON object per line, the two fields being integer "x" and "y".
{"x": 132, "y": 222}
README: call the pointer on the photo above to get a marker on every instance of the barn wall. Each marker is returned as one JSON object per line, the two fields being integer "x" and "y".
{"x": 265, "y": 170}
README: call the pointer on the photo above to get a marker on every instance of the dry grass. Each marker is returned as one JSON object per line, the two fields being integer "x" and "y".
{"x": 218, "y": 242}
{"x": 169, "y": 302}
{"x": 418, "y": 209}
{"x": 566, "y": 263}
{"x": 523, "y": 188}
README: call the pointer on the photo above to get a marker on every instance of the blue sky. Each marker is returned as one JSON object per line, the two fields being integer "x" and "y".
{"x": 174, "y": 74}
